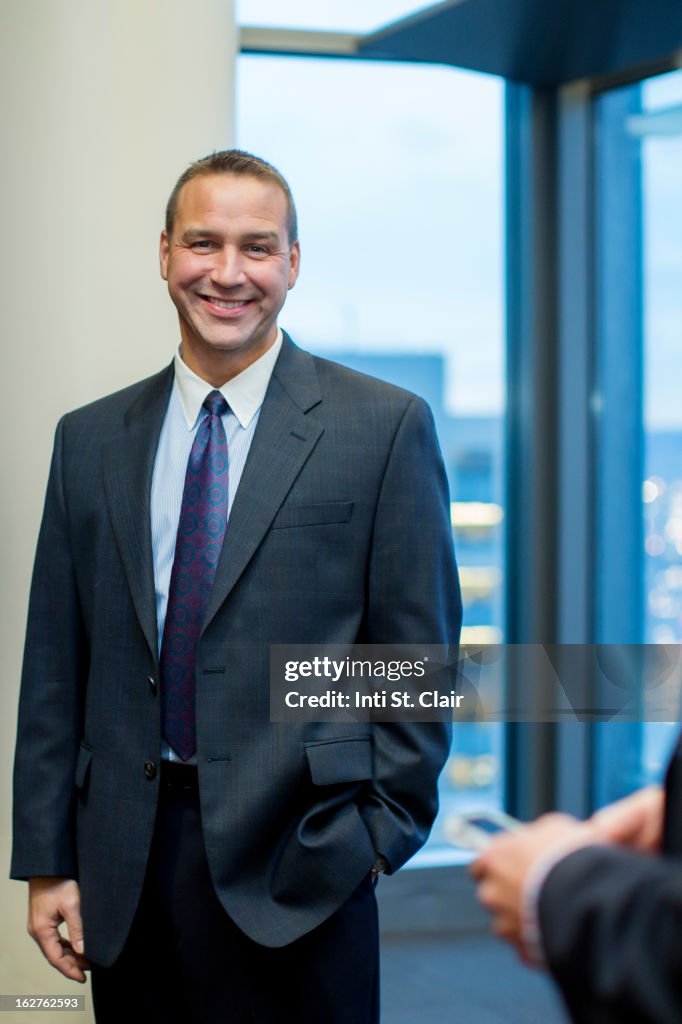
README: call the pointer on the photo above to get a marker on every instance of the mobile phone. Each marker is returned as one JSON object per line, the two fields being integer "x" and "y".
{"x": 473, "y": 830}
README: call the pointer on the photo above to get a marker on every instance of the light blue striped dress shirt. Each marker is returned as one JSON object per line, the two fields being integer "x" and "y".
{"x": 244, "y": 395}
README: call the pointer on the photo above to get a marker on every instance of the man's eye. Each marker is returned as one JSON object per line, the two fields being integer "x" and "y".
{"x": 203, "y": 244}
{"x": 257, "y": 250}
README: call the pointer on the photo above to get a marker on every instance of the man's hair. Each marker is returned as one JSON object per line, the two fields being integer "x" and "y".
{"x": 238, "y": 162}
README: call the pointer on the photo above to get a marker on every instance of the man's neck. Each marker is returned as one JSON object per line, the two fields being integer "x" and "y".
{"x": 216, "y": 367}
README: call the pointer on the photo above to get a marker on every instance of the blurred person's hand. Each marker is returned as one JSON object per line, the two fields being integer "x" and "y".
{"x": 502, "y": 870}
{"x": 635, "y": 822}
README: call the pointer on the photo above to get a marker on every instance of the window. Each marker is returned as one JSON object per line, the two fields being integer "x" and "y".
{"x": 332, "y": 16}
{"x": 640, "y": 296}
{"x": 398, "y": 175}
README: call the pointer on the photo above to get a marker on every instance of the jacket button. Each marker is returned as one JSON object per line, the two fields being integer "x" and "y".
{"x": 153, "y": 686}
{"x": 150, "y": 769}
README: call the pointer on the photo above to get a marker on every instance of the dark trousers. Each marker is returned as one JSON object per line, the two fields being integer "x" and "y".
{"x": 185, "y": 962}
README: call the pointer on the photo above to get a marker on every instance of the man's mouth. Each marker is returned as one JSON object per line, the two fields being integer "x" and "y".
{"x": 226, "y": 303}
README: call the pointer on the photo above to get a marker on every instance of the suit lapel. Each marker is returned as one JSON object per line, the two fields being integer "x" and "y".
{"x": 284, "y": 438}
{"x": 128, "y": 467}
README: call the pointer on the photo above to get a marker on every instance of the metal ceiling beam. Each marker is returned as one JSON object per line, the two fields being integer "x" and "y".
{"x": 542, "y": 44}
{"x": 298, "y": 42}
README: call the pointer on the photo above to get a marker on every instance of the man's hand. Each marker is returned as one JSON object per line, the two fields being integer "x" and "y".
{"x": 635, "y": 822}
{"x": 51, "y": 901}
{"x": 502, "y": 869}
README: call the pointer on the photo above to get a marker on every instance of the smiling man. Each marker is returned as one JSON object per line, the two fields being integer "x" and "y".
{"x": 229, "y": 261}
{"x": 211, "y": 865}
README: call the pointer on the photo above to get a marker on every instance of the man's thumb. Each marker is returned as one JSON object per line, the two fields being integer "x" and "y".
{"x": 74, "y": 925}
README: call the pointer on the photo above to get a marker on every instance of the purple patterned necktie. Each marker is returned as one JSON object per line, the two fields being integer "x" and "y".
{"x": 203, "y": 517}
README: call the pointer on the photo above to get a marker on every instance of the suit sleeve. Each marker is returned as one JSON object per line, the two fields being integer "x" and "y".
{"x": 50, "y": 705}
{"x": 611, "y": 922}
{"x": 414, "y": 597}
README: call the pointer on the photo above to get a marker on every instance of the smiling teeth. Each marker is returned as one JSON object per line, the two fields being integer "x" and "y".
{"x": 227, "y": 305}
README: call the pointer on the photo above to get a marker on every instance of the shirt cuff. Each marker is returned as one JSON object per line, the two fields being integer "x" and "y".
{"x": 531, "y": 933}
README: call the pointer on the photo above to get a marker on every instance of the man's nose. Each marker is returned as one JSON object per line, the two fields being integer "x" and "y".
{"x": 227, "y": 269}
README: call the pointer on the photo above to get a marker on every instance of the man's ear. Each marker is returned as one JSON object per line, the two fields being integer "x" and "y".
{"x": 294, "y": 263}
{"x": 164, "y": 250}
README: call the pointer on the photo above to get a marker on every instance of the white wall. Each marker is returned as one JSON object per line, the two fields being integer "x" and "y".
{"x": 104, "y": 102}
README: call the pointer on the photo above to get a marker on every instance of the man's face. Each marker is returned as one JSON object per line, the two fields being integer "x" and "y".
{"x": 229, "y": 265}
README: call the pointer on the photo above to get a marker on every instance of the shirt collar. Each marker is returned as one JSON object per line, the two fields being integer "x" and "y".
{"x": 244, "y": 393}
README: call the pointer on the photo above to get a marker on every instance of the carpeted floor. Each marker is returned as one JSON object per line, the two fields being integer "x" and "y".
{"x": 471, "y": 979}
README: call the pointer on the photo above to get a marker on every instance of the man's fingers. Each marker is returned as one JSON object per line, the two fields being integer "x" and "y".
{"x": 78, "y": 958}
{"x": 74, "y": 924}
{"x": 47, "y": 938}
{"x": 69, "y": 963}
{"x": 59, "y": 954}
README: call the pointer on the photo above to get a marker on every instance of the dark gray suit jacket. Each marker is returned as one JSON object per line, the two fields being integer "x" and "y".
{"x": 611, "y": 925}
{"x": 339, "y": 532}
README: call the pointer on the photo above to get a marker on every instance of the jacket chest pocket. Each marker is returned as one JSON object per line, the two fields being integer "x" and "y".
{"x": 338, "y": 761}
{"x": 323, "y": 514}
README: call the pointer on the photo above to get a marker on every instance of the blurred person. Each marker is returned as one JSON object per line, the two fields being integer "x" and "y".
{"x": 598, "y": 903}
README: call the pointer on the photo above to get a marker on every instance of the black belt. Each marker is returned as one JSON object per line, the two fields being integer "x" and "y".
{"x": 179, "y": 776}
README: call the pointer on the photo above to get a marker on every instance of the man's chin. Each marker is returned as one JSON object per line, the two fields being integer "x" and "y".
{"x": 235, "y": 353}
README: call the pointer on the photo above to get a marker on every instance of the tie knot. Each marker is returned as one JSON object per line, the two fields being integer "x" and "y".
{"x": 215, "y": 403}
